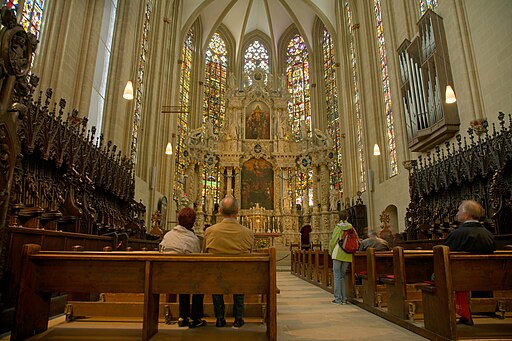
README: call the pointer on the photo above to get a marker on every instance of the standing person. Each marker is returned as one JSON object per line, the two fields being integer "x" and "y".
{"x": 340, "y": 259}
{"x": 181, "y": 239}
{"x": 472, "y": 236}
{"x": 230, "y": 238}
{"x": 374, "y": 241}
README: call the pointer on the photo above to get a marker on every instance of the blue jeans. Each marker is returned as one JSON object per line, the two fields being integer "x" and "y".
{"x": 238, "y": 305}
{"x": 339, "y": 270}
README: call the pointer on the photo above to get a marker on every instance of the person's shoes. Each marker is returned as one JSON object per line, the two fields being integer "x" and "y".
{"x": 343, "y": 303}
{"x": 197, "y": 323}
{"x": 221, "y": 322}
{"x": 465, "y": 321}
{"x": 239, "y": 322}
{"x": 182, "y": 322}
{"x": 335, "y": 302}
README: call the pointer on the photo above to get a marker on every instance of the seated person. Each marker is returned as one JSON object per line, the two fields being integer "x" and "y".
{"x": 181, "y": 239}
{"x": 470, "y": 236}
{"x": 374, "y": 241}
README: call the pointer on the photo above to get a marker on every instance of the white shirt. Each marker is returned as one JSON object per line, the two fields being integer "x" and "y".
{"x": 180, "y": 240}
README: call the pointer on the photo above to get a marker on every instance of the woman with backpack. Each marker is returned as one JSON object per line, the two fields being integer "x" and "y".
{"x": 342, "y": 234}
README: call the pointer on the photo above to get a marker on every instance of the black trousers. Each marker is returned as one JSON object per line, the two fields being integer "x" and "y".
{"x": 196, "y": 313}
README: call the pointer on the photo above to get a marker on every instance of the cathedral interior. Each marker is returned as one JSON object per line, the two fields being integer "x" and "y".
{"x": 117, "y": 114}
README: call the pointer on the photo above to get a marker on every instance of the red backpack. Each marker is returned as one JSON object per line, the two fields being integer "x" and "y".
{"x": 350, "y": 241}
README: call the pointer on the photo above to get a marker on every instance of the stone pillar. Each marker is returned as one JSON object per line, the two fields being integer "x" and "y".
{"x": 237, "y": 192}
{"x": 229, "y": 185}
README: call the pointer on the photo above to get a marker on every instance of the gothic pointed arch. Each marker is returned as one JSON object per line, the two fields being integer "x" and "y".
{"x": 256, "y": 52}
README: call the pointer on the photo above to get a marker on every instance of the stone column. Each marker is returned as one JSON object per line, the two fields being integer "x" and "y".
{"x": 237, "y": 193}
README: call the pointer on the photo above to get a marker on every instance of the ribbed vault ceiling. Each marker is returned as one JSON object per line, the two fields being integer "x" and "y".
{"x": 271, "y": 17}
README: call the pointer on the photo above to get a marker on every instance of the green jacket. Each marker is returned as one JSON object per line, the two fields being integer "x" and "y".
{"x": 336, "y": 233}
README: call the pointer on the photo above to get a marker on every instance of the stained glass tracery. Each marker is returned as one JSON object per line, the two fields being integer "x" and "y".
{"x": 184, "y": 101}
{"x": 140, "y": 81}
{"x": 331, "y": 101}
{"x": 256, "y": 56}
{"x": 214, "y": 105}
{"x": 392, "y": 154}
{"x": 357, "y": 97}
{"x": 297, "y": 71}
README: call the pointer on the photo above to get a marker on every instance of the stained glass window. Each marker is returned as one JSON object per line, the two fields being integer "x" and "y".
{"x": 214, "y": 105}
{"x": 357, "y": 98}
{"x": 297, "y": 71}
{"x": 184, "y": 101}
{"x": 140, "y": 81}
{"x": 256, "y": 56}
{"x": 427, "y": 4}
{"x": 331, "y": 101}
{"x": 393, "y": 162}
{"x": 32, "y": 14}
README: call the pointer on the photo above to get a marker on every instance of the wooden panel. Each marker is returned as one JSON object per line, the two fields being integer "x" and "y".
{"x": 210, "y": 277}
{"x": 479, "y": 271}
{"x": 90, "y": 276}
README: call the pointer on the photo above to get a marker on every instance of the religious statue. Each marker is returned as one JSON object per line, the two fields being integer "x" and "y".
{"x": 286, "y": 203}
{"x": 209, "y": 203}
{"x": 229, "y": 128}
{"x": 334, "y": 197}
{"x": 155, "y": 222}
{"x": 231, "y": 83}
{"x": 283, "y": 83}
{"x": 305, "y": 203}
{"x": 323, "y": 139}
{"x": 283, "y": 126}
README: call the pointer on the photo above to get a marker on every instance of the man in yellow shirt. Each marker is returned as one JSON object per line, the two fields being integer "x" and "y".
{"x": 228, "y": 238}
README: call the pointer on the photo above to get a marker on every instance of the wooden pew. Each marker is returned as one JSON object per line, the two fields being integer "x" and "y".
{"x": 378, "y": 265}
{"x": 461, "y": 272}
{"x": 410, "y": 267}
{"x": 150, "y": 273}
{"x": 357, "y": 269}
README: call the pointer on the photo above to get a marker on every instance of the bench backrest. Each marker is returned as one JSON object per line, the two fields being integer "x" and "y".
{"x": 129, "y": 272}
{"x": 412, "y": 266}
{"x": 468, "y": 271}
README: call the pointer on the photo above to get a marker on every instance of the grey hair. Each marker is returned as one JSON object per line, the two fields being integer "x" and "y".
{"x": 228, "y": 206}
{"x": 472, "y": 208}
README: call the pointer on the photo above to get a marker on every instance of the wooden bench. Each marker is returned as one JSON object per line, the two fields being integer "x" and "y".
{"x": 150, "y": 273}
{"x": 461, "y": 271}
{"x": 378, "y": 265}
{"x": 357, "y": 268}
{"x": 410, "y": 267}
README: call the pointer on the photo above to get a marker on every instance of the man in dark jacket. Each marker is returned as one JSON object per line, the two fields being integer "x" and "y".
{"x": 471, "y": 236}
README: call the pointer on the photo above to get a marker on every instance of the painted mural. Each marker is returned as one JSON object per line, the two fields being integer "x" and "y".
{"x": 257, "y": 184}
{"x": 257, "y": 122}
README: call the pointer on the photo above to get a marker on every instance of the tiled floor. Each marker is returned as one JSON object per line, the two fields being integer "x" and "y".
{"x": 305, "y": 313}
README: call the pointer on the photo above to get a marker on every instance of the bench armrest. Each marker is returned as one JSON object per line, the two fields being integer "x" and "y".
{"x": 426, "y": 287}
{"x": 387, "y": 280}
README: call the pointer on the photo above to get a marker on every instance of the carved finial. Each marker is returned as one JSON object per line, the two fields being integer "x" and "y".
{"x": 8, "y": 17}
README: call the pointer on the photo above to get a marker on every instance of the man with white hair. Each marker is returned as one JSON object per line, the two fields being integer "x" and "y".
{"x": 472, "y": 236}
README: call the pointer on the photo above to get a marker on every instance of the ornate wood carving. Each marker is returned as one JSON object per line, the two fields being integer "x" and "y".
{"x": 479, "y": 169}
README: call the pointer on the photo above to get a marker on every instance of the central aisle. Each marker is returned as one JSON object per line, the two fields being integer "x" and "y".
{"x": 305, "y": 313}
